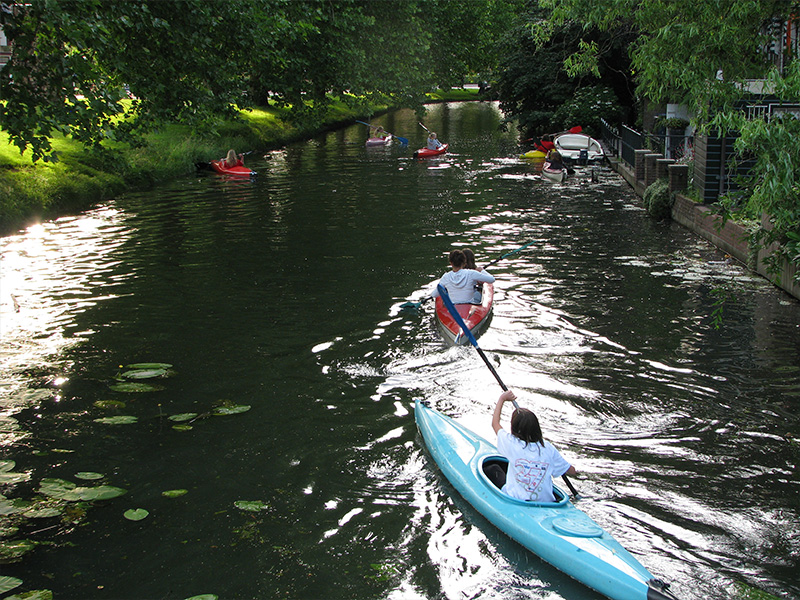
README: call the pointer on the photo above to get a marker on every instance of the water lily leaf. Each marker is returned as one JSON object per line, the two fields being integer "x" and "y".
{"x": 204, "y": 597}
{"x": 12, "y": 507}
{"x": 144, "y": 374}
{"x": 10, "y": 477}
{"x": 62, "y": 451}
{"x": 14, "y": 550}
{"x": 6, "y": 465}
{"x": 135, "y": 387}
{"x": 56, "y": 488}
{"x": 174, "y": 493}
{"x": 102, "y": 492}
{"x": 118, "y": 420}
{"x": 231, "y": 410}
{"x": 251, "y": 505}
{"x": 154, "y": 365}
{"x": 136, "y": 514}
{"x": 109, "y": 404}
{"x": 7, "y": 530}
{"x": 183, "y": 417}
{"x": 8, "y": 583}
{"x": 33, "y": 595}
{"x": 44, "y": 511}
{"x": 89, "y": 475}
{"x": 182, "y": 427}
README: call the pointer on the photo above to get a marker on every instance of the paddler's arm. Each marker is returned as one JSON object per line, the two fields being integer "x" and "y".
{"x": 506, "y": 396}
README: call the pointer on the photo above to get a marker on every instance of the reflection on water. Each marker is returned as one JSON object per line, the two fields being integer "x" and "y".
{"x": 283, "y": 294}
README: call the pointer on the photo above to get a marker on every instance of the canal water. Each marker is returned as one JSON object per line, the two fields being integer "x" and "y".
{"x": 233, "y": 355}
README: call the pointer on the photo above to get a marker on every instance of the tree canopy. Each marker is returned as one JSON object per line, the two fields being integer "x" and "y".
{"x": 74, "y": 62}
{"x": 704, "y": 54}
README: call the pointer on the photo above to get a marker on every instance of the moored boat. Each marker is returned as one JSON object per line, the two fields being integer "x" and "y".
{"x": 476, "y": 316}
{"x": 579, "y": 146}
{"x": 558, "y": 532}
{"x": 237, "y": 171}
{"x": 553, "y": 174}
{"x": 426, "y": 153}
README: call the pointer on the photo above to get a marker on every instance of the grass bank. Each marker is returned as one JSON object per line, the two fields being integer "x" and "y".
{"x": 31, "y": 192}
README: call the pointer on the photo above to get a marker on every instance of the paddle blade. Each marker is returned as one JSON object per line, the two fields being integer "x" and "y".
{"x": 451, "y": 308}
{"x": 576, "y": 129}
{"x": 402, "y": 140}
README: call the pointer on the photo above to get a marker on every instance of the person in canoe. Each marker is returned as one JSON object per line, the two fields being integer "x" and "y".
{"x": 459, "y": 281}
{"x": 532, "y": 461}
{"x": 233, "y": 160}
{"x": 470, "y": 264}
{"x": 433, "y": 142}
{"x": 555, "y": 160}
{"x": 380, "y": 132}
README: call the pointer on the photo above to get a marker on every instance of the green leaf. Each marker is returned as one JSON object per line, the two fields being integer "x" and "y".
{"x": 132, "y": 387}
{"x": 89, "y": 475}
{"x": 32, "y": 595}
{"x": 6, "y": 465}
{"x": 118, "y": 420}
{"x": 145, "y": 366}
{"x": 14, "y": 550}
{"x": 174, "y": 493}
{"x": 103, "y": 492}
{"x": 8, "y": 583}
{"x": 231, "y": 410}
{"x": 183, "y": 417}
{"x": 144, "y": 374}
{"x": 204, "y": 597}
{"x": 136, "y": 514}
{"x": 8, "y": 477}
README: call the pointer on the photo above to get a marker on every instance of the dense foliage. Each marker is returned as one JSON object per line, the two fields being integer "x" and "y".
{"x": 75, "y": 61}
{"x": 703, "y": 53}
{"x": 536, "y": 89}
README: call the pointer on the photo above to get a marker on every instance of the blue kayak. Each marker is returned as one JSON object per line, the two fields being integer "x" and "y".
{"x": 559, "y": 533}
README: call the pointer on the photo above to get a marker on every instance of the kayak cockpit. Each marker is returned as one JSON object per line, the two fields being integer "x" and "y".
{"x": 488, "y": 468}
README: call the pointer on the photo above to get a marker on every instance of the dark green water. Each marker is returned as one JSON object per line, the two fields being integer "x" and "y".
{"x": 283, "y": 294}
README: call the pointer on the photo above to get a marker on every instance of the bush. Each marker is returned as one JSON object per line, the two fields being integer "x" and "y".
{"x": 587, "y": 106}
{"x": 658, "y": 201}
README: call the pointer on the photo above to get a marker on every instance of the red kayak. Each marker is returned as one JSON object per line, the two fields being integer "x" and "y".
{"x": 237, "y": 171}
{"x": 425, "y": 153}
{"x": 476, "y": 316}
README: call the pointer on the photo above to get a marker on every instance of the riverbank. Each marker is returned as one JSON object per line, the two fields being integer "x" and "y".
{"x": 32, "y": 192}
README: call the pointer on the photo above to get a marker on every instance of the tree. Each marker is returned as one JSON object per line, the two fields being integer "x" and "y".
{"x": 702, "y": 53}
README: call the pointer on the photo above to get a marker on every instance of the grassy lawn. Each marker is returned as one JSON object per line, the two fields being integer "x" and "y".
{"x": 31, "y": 191}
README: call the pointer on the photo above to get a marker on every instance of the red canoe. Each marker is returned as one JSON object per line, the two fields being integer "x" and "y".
{"x": 425, "y": 153}
{"x": 239, "y": 171}
{"x": 476, "y": 316}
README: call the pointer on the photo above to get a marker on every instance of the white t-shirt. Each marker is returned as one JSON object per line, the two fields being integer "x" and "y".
{"x": 531, "y": 468}
{"x": 460, "y": 285}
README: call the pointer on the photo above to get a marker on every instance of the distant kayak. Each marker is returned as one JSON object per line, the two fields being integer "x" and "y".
{"x": 237, "y": 171}
{"x": 534, "y": 154}
{"x": 557, "y": 175}
{"x": 378, "y": 141}
{"x": 425, "y": 153}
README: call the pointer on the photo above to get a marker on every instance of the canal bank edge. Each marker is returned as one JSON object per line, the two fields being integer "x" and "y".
{"x": 732, "y": 238}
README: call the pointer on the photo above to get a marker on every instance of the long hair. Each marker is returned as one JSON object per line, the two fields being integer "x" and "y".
{"x": 470, "y": 255}
{"x": 525, "y": 426}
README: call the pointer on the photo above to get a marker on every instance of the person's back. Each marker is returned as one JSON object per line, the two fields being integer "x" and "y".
{"x": 433, "y": 143}
{"x": 460, "y": 282}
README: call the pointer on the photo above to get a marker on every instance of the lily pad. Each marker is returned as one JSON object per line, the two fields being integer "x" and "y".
{"x": 9, "y": 477}
{"x": 8, "y": 583}
{"x": 118, "y": 420}
{"x": 56, "y": 488}
{"x": 204, "y": 597}
{"x": 144, "y": 374}
{"x": 14, "y": 550}
{"x": 109, "y": 404}
{"x": 102, "y": 492}
{"x": 7, "y": 465}
{"x": 133, "y": 387}
{"x": 174, "y": 493}
{"x": 136, "y": 514}
{"x": 42, "y": 510}
{"x": 182, "y": 427}
{"x": 231, "y": 410}
{"x": 89, "y": 475}
{"x": 33, "y": 595}
{"x": 154, "y": 365}
{"x": 251, "y": 505}
{"x": 183, "y": 417}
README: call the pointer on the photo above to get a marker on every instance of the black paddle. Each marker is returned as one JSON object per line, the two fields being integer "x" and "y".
{"x": 454, "y": 313}
{"x": 416, "y": 305}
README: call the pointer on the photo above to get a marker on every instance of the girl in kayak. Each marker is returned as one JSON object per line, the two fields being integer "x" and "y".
{"x": 433, "y": 143}
{"x": 460, "y": 282}
{"x": 232, "y": 160}
{"x": 532, "y": 462}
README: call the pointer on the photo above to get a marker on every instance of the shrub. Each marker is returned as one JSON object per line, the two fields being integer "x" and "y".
{"x": 658, "y": 201}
